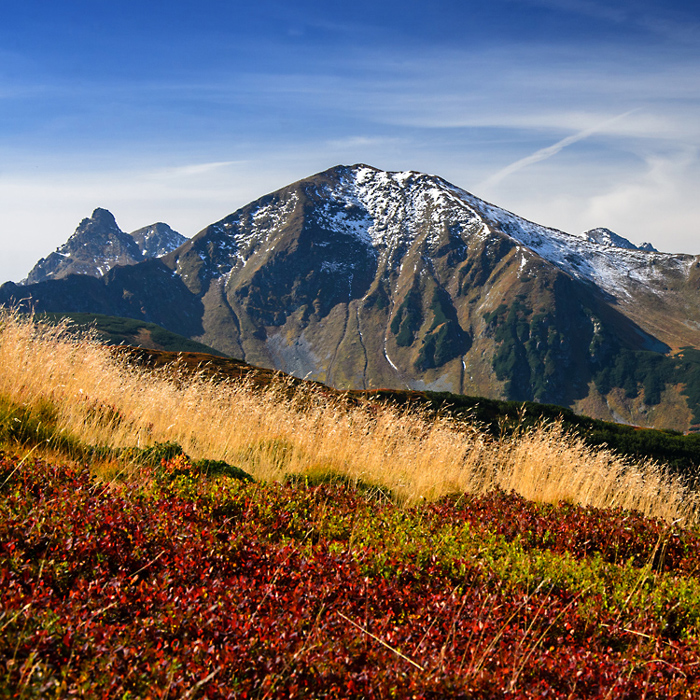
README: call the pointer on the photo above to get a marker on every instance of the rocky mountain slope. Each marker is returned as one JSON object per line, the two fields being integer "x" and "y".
{"x": 98, "y": 244}
{"x": 362, "y": 278}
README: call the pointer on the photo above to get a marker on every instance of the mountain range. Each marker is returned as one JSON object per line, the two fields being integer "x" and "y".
{"x": 98, "y": 244}
{"x": 362, "y": 278}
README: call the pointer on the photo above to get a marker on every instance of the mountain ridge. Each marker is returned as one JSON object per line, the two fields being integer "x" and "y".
{"x": 98, "y": 244}
{"x": 362, "y": 278}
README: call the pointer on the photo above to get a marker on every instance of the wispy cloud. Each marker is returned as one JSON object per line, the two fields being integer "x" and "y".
{"x": 658, "y": 204}
{"x": 549, "y": 151}
{"x": 194, "y": 169}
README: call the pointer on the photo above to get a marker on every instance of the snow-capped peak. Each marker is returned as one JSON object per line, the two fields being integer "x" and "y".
{"x": 604, "y": 236}
{"x": 157, "y": 240}
{"x": 398, "y": 203}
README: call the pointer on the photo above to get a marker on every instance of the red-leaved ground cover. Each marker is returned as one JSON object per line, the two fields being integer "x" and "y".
{"x": 233, "y": 590}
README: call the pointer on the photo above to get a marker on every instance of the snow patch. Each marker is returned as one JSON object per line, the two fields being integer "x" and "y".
{"x": 388, "y": 359}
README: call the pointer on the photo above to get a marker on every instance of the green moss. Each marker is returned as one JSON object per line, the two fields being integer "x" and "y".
{"x": 216, "y": 467}
{"x": 152, "y": 455}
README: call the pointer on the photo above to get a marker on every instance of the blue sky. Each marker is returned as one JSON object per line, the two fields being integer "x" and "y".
{"x": 573, "y": 113}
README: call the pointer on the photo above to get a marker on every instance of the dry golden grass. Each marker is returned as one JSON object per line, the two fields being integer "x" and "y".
{"x": 103, "y": 401}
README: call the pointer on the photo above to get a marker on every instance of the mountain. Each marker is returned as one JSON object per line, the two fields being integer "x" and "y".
{"x": 604, "y": 236}
{"x": 98, "y": 244}
{"x": 362, "y": 278}
{"x": 156, "y": 240}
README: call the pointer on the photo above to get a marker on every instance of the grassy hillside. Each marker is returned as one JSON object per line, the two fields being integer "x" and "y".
{"x": 681, "y": 453}
{"x": 246, "y": 538}
{"x": 115, "y": 330}
{"x": 80, "y": 393}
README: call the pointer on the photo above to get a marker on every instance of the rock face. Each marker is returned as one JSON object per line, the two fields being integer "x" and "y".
{"x": 604, "y": 236}
{"x": 98, "y": 245}
{"x": 157, "y": 240}
{"x": 363, "y": 278}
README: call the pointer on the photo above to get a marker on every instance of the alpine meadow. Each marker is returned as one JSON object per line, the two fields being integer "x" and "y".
{"x": 350, "y": 351}
{"x": 248, "y": 538}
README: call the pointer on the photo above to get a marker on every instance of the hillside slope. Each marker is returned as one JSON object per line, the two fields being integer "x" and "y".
{"x": 114, "y": 330}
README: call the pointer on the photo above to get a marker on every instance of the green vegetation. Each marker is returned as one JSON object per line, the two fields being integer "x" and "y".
{"x": 688, "y": 372}
{"x": 445, "y": 338}
{"x": 652, "y": 372}
{"x": 115, "y": 330}
{"x": 222, "y": 588}
{"x": 530, "y": 347}
{"x": 377, "y": 299}
{"x": 408, "y": 318}
{"x": 631, "y": 370}
{"x": 36, "y": 427}
{"x": 378, "y": 553}
{"x": 528, "y": 350}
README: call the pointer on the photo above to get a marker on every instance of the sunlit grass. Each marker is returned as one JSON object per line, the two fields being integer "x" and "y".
{"x": 88, "y": 395}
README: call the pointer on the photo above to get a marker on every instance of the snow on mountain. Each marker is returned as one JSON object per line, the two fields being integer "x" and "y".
{"x": 98, "y": 244}
{"x": 386, "y": 211}
{"x": 616, "y": 270}
{"x": 604, "y": 236}
{"x": 390, "y": 209}
{"x": 157, "y": 240}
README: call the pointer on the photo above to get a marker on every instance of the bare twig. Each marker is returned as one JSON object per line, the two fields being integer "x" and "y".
{"x": 199, "y": 684}
{"x": 382, "y": 642}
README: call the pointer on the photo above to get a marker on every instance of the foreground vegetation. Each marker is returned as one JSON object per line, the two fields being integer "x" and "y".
{"x": 79, "y": 395}
{"x": 228, "y": 539}
{"x": 185, "y": 586}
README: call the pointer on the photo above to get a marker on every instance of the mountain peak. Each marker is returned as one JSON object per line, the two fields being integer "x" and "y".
{"x": 101, "y": 217}
{"x": 157, "y": 240}
{"x": 98, "y": 244}
{"x": 362, "y": 278}
{"x": 604, "y": 236}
